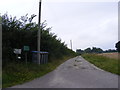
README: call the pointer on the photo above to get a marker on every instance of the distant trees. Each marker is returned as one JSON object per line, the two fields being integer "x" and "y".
{"x": 79, "y": 51}
{"x": 117, "y": 45}
{"x": 94, "y": 50}
{"x": 89, "y": 50}
{"x": 110, "y": 50}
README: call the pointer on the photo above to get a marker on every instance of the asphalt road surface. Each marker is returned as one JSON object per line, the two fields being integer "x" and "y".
{"x": 74, "y": 73}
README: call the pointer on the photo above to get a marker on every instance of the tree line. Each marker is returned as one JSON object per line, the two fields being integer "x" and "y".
{"x": 117, "y": 45}
{"x": 17, "y": 33}
{"x": 94, "y": 50}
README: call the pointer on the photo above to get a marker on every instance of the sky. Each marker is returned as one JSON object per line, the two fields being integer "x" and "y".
{"x": 88, "y": 23}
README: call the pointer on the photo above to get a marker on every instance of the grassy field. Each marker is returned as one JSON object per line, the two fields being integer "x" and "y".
{"x": 110, "y": 55}
{"x": 17, "y": 73}
{"x": 105, "y": 61}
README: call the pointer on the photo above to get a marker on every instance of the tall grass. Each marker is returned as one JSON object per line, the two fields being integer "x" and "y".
{"x": 103, "y": 62}
{"x": 16, "y": 73}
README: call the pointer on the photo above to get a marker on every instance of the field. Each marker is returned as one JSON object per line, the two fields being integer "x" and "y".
{"x": 110, "y": 55}
{"x": 105, "y": 61}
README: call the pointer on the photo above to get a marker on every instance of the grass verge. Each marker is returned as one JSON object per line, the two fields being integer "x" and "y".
{"x": 103, "y": 62}
{"x": 17, "y": 73}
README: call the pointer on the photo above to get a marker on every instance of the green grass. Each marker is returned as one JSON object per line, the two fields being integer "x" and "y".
{"x": 17, "y": 73}
{"x": 105, "y": 63}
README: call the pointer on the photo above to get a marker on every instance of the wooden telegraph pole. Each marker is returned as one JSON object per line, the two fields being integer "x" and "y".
{"x": 71, "y": 44}
{"x": 39, "y": 31}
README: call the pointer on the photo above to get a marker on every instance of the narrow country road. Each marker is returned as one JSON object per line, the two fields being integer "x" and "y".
{"x": 74, "y": 73}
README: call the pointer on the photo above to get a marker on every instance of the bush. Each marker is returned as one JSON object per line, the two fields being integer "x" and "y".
{"x": 18, "y": 33}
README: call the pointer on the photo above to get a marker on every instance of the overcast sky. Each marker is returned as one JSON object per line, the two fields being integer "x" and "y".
{"x": 87, "y": 24}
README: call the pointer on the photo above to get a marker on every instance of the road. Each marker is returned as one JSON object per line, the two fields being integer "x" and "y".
{"x": 74, "y": 73}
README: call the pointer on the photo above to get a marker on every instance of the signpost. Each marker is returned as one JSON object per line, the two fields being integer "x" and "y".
{"x": 26, "y": 49}
{"x": 17, "y": 51}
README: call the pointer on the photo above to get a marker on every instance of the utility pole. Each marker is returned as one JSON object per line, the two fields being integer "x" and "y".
{"x": 71, "y": 44}
{"x": 0, "y": 51}
{"x": 39, "y": 31}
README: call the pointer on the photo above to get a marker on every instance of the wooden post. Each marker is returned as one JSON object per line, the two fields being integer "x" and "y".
{"x": 26, "y": 57}
{"x": 39, "y": 31}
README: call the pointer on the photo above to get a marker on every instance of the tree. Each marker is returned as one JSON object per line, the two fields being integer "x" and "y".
{"x": 17, "y": 33}
{"x": 117, "y": 45}
{"x": 87, "y": 50}
{"x": 96, "y": 50}
{"x": 110, "y": 50}
{"x": 79, "y": 51}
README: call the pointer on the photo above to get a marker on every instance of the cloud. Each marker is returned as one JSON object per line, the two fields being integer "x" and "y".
{"x": 103, "y": 35}
{"x": 86, "y": 23}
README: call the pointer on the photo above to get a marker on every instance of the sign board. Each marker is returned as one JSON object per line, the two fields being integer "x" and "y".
{"x": 17, "y": 51}
{"x": 26, "y": 48}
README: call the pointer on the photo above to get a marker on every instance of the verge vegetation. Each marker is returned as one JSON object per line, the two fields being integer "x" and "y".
{"x": 103, "y": 62}
{"x": 18, "y": 73}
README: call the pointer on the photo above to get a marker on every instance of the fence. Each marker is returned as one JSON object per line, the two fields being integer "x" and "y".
{"x": 43, "y": 57}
